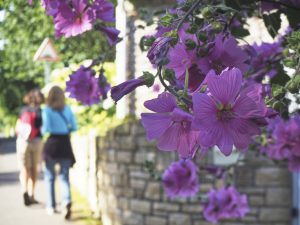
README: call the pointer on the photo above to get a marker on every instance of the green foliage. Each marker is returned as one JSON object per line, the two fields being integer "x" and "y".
{"x": 23, "y": 29}
{"x": 272, "y": 22}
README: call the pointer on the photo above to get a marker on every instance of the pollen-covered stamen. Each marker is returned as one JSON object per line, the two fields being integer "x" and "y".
{"x": 225, "y": 113}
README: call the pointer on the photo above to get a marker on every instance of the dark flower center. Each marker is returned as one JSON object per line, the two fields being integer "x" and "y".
{"x": 225, "y": 113}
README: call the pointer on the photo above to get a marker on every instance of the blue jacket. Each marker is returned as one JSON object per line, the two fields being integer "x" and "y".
{"x": 53, "y": 122}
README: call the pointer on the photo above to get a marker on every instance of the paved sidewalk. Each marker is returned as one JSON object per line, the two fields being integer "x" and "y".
{"x": 12, "y": 210}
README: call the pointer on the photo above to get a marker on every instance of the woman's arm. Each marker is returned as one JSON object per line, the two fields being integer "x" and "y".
{"x": 46, "y": 125}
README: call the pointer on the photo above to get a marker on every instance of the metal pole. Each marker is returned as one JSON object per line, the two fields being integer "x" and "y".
{"x": 46, "y": 72}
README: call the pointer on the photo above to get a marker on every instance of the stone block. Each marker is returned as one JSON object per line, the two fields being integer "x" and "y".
{"x": 111, "y": 155}
{"x": 123, "y": 129}
{"x": 112, "y": 168}
{"x": 130, "y": 218}
{"x": 153, "y": 191}
{"x": 160, "y": 206}
{"x": 124, "y": 157}
{"x": 192, "y": 208}
{"x": 138, "y": 129}
{"x": 141, "y": 206}
{"x": 141, "y": 157}
{"x": 179, "y": 219}
{"x": 137, "y": 183}
{"x": 123, "y": 203}
{"x": 244, "y": 176}
{"x": 256, "y": 200}
{"x": 279, "y": 196}
{"x": 139, "y": 174}
{"x": 155, "y": 220}
{"x": 275, "y": 214}
{"x": 272, "y": 177}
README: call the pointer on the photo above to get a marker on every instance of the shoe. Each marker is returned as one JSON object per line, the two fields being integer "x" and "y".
{"x": 50, "y": 211}
{"x": 26, "y": 199}
{"x": 32, "y": 200}
{"x": 67, "y": 211}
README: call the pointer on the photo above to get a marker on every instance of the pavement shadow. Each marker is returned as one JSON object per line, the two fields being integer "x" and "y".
{"x": 9, "y": 178}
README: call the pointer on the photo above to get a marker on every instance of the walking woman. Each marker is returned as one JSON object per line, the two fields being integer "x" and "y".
{"x": 29, "y": 143}
{"x": 59, "y": 122}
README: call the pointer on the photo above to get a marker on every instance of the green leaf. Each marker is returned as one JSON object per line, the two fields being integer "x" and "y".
{"x": 272, "y": 22}
{"x": 278, "y": 91}
{"x": 239, "y": 32}
{"x": 166, "y": 20}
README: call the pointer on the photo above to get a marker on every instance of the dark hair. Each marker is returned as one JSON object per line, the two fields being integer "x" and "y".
{"x": 56, "y": 98}
{"x": 34, "y": 97}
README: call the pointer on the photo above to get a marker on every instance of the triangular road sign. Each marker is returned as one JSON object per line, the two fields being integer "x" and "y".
{"x": 46, "y": 52}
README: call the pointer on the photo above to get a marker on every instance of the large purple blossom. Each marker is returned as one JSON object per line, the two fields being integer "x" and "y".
{"x": 51, "y": 6}
{"x": 284, "y": 141}
{"x": 181, "y": 179}
{"x": 228, "y": 114}
{"x": 84, "y": 86}
{"x": 225, "y": 53}
{"x": 170, "y": 125}
{"x": 73, "y": 19}
{"x": 224, "y": 204}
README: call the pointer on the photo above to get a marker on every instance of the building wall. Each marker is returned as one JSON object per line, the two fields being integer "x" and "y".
{"x": 127, "y": 195}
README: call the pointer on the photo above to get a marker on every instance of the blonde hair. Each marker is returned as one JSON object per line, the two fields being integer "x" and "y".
{"x": 56, "y": 98}
{"x": 34, "y": 97}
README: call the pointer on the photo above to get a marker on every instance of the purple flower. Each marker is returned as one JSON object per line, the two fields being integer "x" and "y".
{"x": 284, "y": 141}
{"x": 119, "y": 91}
{"x": 224, "y": 204}
{"x": 73, "y": 19}
{"x": 158, "y": 50}
{"x": 181, "y": 179}
{"x": 264, "y": 62}
{"x": 103, "y": 10}
{"x": 225, "y": 53}
{"x": 181, "y": 59}
{"x": 83, "y": 86}
{"x": 228, "y": 114}
{"x": 170, "y": 125}
{"x": 111, "y": 33}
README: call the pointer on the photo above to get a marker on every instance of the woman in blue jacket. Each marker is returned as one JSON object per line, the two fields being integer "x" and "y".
{"x": 59, "y": 122}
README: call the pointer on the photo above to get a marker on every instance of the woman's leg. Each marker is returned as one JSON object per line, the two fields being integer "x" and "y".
{"x": 23, "y": 161}
{"x": 65, "y": 186}
{"x": 35, "y": 155}
{"x": 49, "y": 175}
{"x": 65, "y": 182}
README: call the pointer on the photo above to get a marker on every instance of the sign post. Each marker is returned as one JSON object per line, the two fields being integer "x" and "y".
{"x": 46, "y": 53}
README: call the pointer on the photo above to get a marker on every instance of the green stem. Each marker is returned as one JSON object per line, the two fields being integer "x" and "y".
{"x": 188, "y": 13}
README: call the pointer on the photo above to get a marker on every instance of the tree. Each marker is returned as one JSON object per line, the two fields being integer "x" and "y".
{"x": 23, "y": 30}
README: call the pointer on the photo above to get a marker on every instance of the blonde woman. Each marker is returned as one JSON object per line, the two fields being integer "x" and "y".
{"x": 29, "y": 143}
{"x": 58, "y": 122}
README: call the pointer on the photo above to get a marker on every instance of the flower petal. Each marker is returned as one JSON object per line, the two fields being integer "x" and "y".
{"x": 155, "y": 124}
{"x": 165, "y": 102}
{"x": 169, "y": 140}
{"x": 226, "y": 87}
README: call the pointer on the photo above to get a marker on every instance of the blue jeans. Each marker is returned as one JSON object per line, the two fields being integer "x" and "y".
{"x": 49, "y": 175}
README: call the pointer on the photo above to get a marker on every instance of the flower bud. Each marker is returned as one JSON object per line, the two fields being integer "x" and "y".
{"x": 207, "y": 12}
{"x": 148, "y": 79}
{"x": 190, "y": 44}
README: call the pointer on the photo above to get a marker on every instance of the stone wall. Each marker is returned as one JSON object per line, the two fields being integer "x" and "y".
{"x": 127, "y": 195}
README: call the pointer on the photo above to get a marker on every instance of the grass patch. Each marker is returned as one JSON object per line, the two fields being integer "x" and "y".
{"x": 81, "y": 210}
